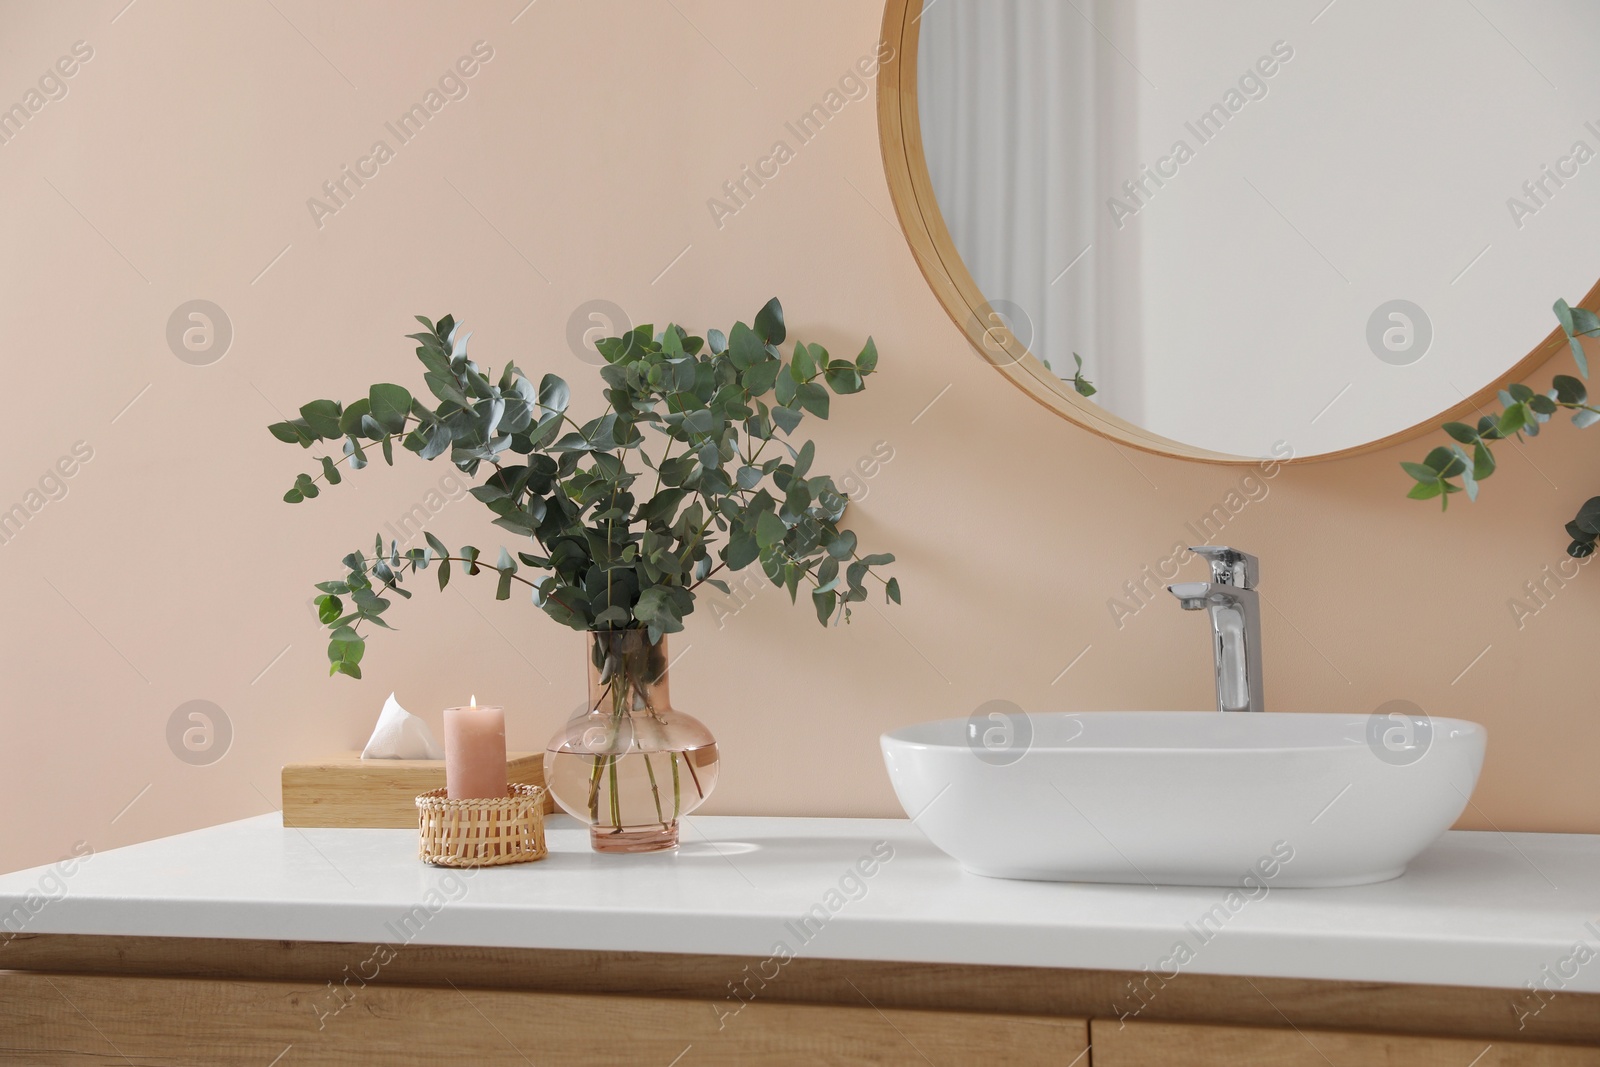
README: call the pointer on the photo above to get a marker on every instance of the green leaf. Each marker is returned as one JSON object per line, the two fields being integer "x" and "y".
{"x": 878, "y": 559}
{"x": 657, "y": 608}
{"x": 761, "y": 377}
{"x": 1569, "y": 390}
{"x": 744, "y": 347}
{"x": 741, "y": 552}
{"x": 1588, "y": 518}
{"x": 891, "y": 591}
{"x": 786, "y": 418}
{"x": 1542, "y": 404}
{"x": 867, "y": 361}
{"x": 1584, "y": 321}
{"x": 322, "y": 416}
{"x": 1445, "y": 461}
{"x": 824, "y": 602}
{"x": 1572, "y": 327}
{"x": 1514, "y": 418}
{"x": 718, "y": 341}
{"x": 802, "y": 367}
{"x": 1426, "y": 490}
{"x": 435, "y": 544}
{"x": 432, "y": 355}
{"x": 1563, "y": 312}
{"x": 785, "y": 387}
{"x": 1421, "y": 472}
{"x": 350, "y": 421}
{"x": 307, "y": 487}
{"x": 503, "y": 589}
{"x": 814, "y": 398}
{"x": 842, "y": 378}
{"x": 1469, "y": 480}
{"x": 293, "y": 432}
{"x": 345, "y": 645}
{"x": 843, "y": 546}
{"x": 444, "y": 573}
{"x": 1483, "y": 463}
{"x": 803, "y": 459}
{"x": 436, "y": 441}
{"x": 770, "y": 530}
{"x": 330, "y": 471}
{"x": 1083, "y": 386}
{"x": 554, "y": 393}
{"x": 518, "y": 415}
{"x": 445, "y": 387}
{"x": 329, "y": 608}
{"x": 389, "y": 406}
{"x": 1461, "y": 432}
{"x": 769, "y": 323}
{"x": 293, "y": 496}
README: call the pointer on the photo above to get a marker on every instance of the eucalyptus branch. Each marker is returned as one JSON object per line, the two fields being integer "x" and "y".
{"x": 707, "y": 576}
{"x": 609, "y": 559}
{"x": 1450, "y": 469}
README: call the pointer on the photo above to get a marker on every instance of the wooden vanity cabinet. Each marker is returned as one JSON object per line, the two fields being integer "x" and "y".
{"x": 144, "y": 1001}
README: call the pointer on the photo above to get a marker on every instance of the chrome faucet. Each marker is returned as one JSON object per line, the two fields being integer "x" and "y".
{"x": 1235, "y": 606}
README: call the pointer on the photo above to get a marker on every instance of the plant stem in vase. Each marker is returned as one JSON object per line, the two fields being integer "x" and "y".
{"x": 611, "y": 764}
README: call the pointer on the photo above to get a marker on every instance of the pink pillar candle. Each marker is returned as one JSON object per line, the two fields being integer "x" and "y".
{"x": 474, "y": 752}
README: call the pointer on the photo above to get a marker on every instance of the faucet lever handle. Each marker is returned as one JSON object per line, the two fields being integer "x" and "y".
{"x": 1229, "y": 566}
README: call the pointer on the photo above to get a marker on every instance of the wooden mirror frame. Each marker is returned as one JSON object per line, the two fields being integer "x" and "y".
{"x": 911, "y": 189}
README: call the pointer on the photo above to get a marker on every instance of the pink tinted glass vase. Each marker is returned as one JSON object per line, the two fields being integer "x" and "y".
{"x": 629, "y": 765}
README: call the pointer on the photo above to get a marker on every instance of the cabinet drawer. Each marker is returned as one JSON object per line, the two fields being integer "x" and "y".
{"x": 57, "y": 1020}
{"x": 1153, "y": 1044}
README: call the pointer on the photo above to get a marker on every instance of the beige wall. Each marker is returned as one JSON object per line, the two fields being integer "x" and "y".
{"x": 178, "y": 167}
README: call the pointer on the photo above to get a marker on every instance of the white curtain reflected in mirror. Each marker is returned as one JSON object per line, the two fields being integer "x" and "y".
{"x": 1268, "y": 228}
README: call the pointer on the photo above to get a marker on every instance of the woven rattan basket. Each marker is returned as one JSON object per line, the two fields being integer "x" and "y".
{"x": 482, "y": 833}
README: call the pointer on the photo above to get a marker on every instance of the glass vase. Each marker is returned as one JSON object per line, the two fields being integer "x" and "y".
{"x": 628, "y": 764}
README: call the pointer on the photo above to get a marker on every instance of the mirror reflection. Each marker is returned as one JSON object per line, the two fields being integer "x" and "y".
{"x": 1268, "y": 228}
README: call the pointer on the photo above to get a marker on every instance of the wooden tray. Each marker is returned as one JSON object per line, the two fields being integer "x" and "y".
{"x": 350, "y": 791}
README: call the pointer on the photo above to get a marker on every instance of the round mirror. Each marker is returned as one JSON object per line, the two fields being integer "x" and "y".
{"x": 1258, "y": 229}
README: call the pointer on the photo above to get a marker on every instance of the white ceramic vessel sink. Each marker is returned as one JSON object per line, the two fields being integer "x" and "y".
{"x": 1186, "y": 798}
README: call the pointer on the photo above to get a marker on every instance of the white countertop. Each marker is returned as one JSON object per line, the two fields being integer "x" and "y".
{"x": 1482, "y": 909}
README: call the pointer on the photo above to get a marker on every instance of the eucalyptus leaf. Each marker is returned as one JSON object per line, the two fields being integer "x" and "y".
{"x": 389, "y": 405}
{"x": 867, "y": 361}
{"x": 770, "y": 530}
{"x": 769, "y": 323}
{"x": 322, "y": 418}
{"x": 744, "y": 347}
{"x": 1569, "y": 390}
{"x": 813, "y": 398}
